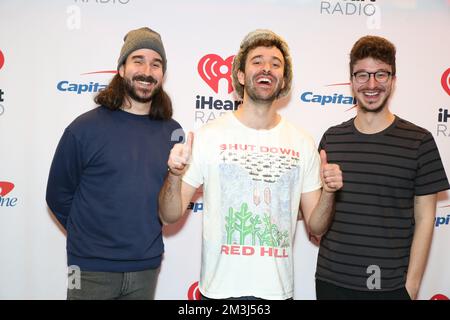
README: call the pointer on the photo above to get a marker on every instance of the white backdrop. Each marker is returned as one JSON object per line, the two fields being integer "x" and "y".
{"x": 51, "y": 53}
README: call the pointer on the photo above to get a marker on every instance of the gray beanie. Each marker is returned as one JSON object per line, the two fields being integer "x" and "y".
{"x": 262, "y": 37}
{"x": 142, "y": 38}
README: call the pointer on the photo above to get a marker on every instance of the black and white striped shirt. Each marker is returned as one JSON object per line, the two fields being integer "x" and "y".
{"x": 374, "y": 219}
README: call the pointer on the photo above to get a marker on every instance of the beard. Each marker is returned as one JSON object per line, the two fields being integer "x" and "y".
{"x": 365, "y": 107}
{"x": 253, "y": 93}
{"x": 138, "y": 94}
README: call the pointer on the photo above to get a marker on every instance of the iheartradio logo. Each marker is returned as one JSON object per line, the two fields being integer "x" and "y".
{"x": 445, "y": 81}
{"x": 2, "y": 59}
{"x": 439, "y": 297}
{"x": 212, "y": 68}
{"x": 194, "y": 292}
{"x": 5, "y": 188}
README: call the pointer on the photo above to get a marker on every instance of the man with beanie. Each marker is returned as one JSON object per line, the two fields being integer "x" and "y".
{"x": 106, "y": 174}
{"x": 257, "y": 169}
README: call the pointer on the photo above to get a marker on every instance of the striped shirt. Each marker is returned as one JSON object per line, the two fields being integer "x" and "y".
{"x": 374, "y": 219}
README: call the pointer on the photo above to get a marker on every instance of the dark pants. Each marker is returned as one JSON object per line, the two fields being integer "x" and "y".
{"x": 139, "y": 285}
{"x": 233, "y": 298}
{"x": 328, "y": 291}
{"x": 236, "y": 298}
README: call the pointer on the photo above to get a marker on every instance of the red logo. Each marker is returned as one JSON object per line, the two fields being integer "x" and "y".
{"x": 97, "y": 72}
{"x": 212, "y": 68}
{"x": 5, "y": 188}
{"x": 193, "y": 292}
{"x": 2, "y": 59}
{"x": 445, "y": 81}
{"x": 338, "y": 84}
{"x": 439, "y": 297}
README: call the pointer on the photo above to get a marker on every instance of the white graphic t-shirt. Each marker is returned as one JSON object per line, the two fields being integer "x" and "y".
{"x": 252, "y": 183}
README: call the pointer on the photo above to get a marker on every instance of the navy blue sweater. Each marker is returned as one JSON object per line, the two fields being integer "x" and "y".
{"x": 103, "y": 187}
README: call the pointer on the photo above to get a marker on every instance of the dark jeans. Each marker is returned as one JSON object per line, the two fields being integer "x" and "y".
{"x": 329, "y": 291}
{"x": 139, "y": 285}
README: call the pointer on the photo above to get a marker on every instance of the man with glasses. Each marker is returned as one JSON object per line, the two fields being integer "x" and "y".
{"x": 378, "y": 242}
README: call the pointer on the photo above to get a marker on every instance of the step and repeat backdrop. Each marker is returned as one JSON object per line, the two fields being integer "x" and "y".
{"x": 56, "y": 55}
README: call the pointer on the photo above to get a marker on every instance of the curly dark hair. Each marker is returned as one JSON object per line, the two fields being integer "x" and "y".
{"x": 373, "y": 47}
{"x": 261, "y": 38}
{"x": 114, "y": 96}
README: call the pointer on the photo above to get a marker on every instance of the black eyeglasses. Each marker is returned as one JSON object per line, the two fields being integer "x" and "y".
{"x": 364, "y": 76}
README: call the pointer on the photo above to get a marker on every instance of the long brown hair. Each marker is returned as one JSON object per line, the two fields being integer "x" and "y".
{"x": 114, "y": 96}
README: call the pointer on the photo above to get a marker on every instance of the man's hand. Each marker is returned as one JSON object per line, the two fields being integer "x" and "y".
{"x": 180, "y": 156}
{"x": 330, "y": 174}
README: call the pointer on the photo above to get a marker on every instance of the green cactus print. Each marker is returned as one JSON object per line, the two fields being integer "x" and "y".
{"x": 247, "y": 224}
{"x": 255, "y": 221}
{"x": 229, "y": 226}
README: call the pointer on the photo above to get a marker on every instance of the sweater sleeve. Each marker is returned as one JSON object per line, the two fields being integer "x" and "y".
{"x": 64, "y": 177}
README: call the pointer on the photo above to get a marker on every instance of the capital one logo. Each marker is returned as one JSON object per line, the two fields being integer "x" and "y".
{"x": 79, "y": 88}
{"x": 2, "y": 59}
{"x": 212, "y": 68}
{"x": 5, "y": 189}
{"x": 193, "y": 292}
{"x": 445, "y": 81}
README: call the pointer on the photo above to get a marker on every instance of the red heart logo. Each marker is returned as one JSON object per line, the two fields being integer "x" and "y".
{"x": 5, "y": 188}
{"x": 212, "y": 68}
{"x": 193, "y": 292}
{"x": 2, "y": 59}
{"x": 439, "y": 297}
{"x": 445, "y": 81}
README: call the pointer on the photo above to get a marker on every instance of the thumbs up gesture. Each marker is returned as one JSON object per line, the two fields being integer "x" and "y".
{"x": 179, "y": 156}
{"x": 330, "y": 174}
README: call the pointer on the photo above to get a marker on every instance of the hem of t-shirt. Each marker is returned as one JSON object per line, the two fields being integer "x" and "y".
{"x": 191, "y": 182}
{"x": 439, "y": 189}
{"x": 105, "y": 265}
{"x": 314, "y": 188}
{"x": 346, "y": 286}
{"x": 264, "y": 296}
